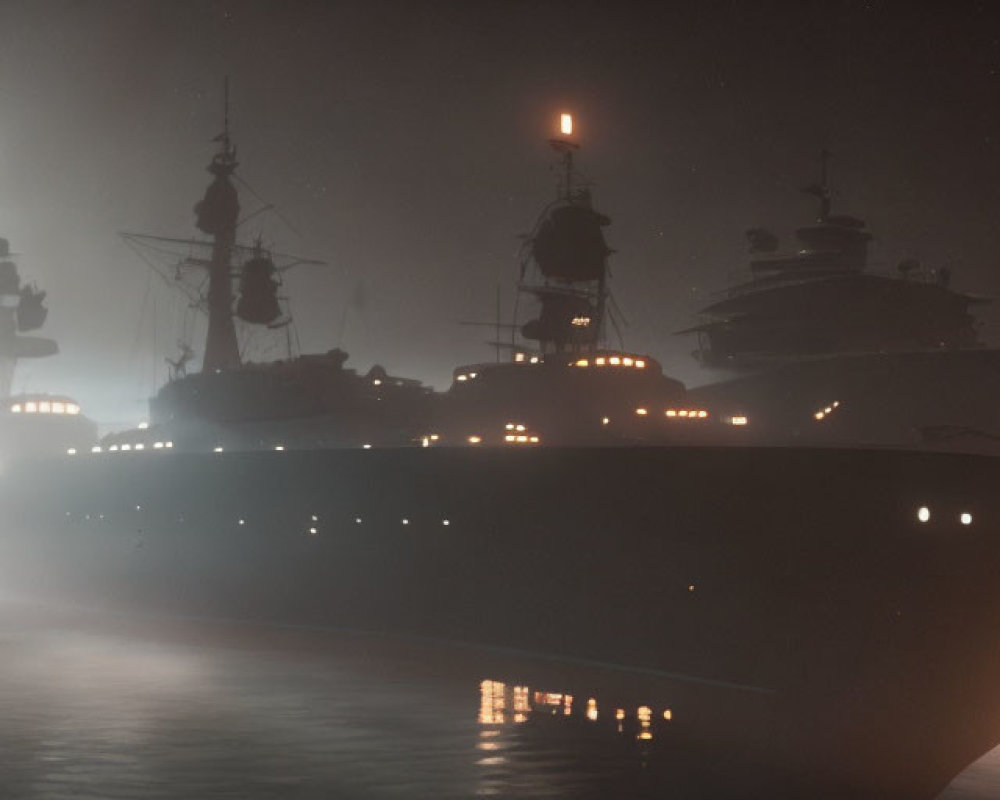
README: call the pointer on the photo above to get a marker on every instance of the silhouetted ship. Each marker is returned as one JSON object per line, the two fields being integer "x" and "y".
{"x": 833, "y": 352}
{"x": 299, "y": 401}
{"x": 562, "y": 383}
{"x": 823, "y": 618}
{"x": 32, "y": 424}
{"x": 822, "y": 299}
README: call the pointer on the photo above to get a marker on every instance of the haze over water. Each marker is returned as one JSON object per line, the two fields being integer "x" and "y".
{"x": 115, "y": 708}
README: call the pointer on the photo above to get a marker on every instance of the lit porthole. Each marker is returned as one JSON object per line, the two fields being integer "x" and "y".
{"x": 965, "y": 518}
{"x": 924, "y": 514}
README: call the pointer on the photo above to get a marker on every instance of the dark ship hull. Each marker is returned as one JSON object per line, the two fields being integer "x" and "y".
{"x": 787, "y": 604}
{"x": 935, "y": 399}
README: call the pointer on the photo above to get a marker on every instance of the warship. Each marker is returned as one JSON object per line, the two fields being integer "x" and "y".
{"x": 32, "y": 424}
{"x": 824, "y": 618}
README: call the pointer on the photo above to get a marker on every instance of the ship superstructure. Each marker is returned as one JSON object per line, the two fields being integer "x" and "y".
{"x": 822, "y": 299}
{"x": 22, "y": 309}
{"x": 564, "y": 263}
{"x": 233, "y": 402}
{"x": 563, "y": 383}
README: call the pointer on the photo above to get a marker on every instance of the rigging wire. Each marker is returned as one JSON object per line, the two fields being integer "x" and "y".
{"x": 242, "y": 181}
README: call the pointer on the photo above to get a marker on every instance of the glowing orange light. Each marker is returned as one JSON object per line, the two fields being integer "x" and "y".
{"x": 599, "y": 361}
{"x": 670, "y": 412}
{"x": 614, "y": 360}
{"x": 627, "y": 361}
{"x": 566, "y": 124}
{"x": 474, "y": 439}
{"x": 640, "y": 364}
{"x": 581, "y": 363}
{"x": 641, "y": 412}
{"x": 668, "y": 714}
{"x": 620, "y": 714}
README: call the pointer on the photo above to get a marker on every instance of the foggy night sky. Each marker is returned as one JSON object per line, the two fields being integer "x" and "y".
{"x": 406, "y": 144}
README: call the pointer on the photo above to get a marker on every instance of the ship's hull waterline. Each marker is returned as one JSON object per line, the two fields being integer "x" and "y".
{"x": 788, "y": 604}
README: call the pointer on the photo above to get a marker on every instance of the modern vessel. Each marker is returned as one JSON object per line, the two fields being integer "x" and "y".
{"x": 823, "y": 299}
{"x": 823, "y": 617}
{"x": 832, "y": 352}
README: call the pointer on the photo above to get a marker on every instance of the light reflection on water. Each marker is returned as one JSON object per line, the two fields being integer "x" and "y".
{"x": 120, "y": 712}
{"x": 185, "y": 710}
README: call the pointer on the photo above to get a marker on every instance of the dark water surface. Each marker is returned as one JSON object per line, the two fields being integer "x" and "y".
{"x": 98, "y": 707}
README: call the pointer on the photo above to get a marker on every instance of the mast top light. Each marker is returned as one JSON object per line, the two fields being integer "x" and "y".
{"x": 566, "y": 124}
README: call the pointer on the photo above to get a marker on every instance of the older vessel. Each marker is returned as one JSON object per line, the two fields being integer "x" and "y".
{"x": 823, "y": 617}
{"x": 32, "y": 424}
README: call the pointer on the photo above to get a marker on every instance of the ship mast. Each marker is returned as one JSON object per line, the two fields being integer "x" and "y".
{"x": 566, "y": 148}
{"x": 217, "y": 215}
{"x": 822, "y": 189}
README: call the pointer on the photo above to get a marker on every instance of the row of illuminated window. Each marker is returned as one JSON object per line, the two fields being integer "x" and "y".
{"x": 524, "y": 358}
{"x": 45, "y": 407}
{"x": 673, "y": 413}
{"x": 125, "y": 447}
{"x": 611, "y": 361}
